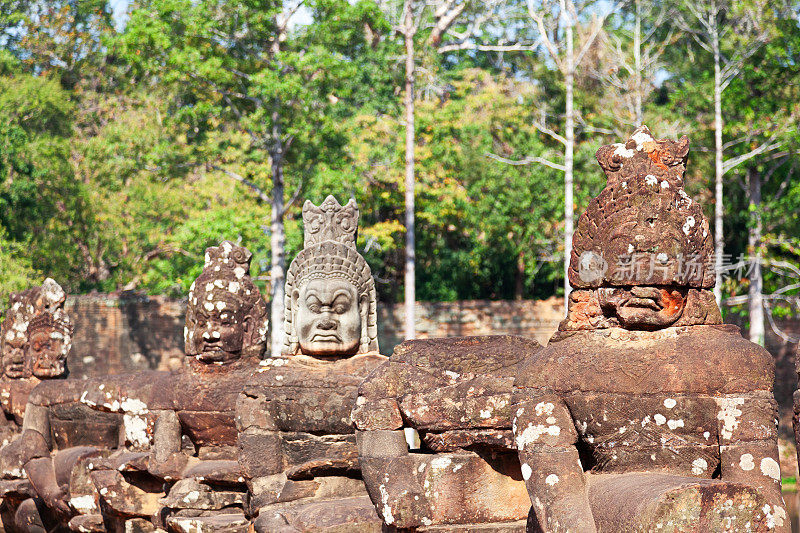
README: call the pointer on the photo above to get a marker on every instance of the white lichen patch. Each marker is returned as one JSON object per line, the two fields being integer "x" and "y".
{"x": 688, "y": 225}
{"x": 440, "y": 463}
{"x": 675, "y": 424}
{"x": 650, "y": 179}
{"x": 699, "y": 466}
{"x": 641, "y": 138}
{"x": 729, "y": 414}
{"x": 551, "y": 480}
{"x": 452, "y": 375}
{"x": 386, "y": 510}
{"x": 645, "y": 420}
{"x": 136, "y": 430}
{"x": 775, "y": 516}
{"x": 669, "y": 403}
{"x": 620, "y": 150}
{"x": 84, "y": 504}
{"x": 746, "y": 462}
{"x": 664, "y": 184}
{"x": 526, "y": 471}
{"x": 544, "y": 408}
{"x": 770, "y": 468}
{"x": 532, "y": 433}
{"x": 660, "y": 419}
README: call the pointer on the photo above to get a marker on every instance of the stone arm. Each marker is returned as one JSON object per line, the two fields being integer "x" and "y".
{"x": 166, "y": 458}
{"x": 748, "y": 433}
{"x": 390, "y": 472}
{"x": 32, "y": 452}
{"x": 546, "y": 439}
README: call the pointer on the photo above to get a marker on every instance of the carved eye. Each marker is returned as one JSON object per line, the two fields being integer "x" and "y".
{"x": 314, "y": 307}
{"x": 339, "y": 309}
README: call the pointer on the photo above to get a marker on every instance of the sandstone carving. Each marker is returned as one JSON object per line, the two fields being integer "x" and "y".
{"x": 35, "y": 338}
{"x": 644, "y": 413}
{"x": 296, "y": 444}
{"x": 455, "y": 396}
{"x": 111, "y": 450}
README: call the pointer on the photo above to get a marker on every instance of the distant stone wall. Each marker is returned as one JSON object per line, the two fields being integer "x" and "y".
{"x": 129, "y": 331}
{"x": 124, "y": 333}
{"x": 530, "y": 318}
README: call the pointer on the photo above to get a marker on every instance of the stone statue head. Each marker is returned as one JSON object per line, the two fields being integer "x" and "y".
{"x": 643, "y": 247}
{"x": 330, "y": 294}
{"x": 14, "y": 331}
{"x": 226, "y": 318}
{"x": 37, "y": 333}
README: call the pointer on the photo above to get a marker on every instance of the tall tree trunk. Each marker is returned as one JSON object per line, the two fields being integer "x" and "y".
{"x": 637, "y": 64}
{"x": 569, "y": 148}
{"x": 410, "y": 293}
{"x": 277, "y": 229}
{"x": 755, "y": 296}
{"x": 719, "y": 240}
{"x": 278, "y": 251}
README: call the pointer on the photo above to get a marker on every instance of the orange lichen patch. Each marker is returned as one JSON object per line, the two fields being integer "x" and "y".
{"x": 655, "y": 155}
{"x": 671, "y": 301}
{"x": 584, "y": 311}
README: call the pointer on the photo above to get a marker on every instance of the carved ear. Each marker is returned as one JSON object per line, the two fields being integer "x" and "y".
{"x": 363, "y": 310}
{"x": 608, "y": 159}
{"x": 247, "y": 327}
{"x": 682, "y": 147}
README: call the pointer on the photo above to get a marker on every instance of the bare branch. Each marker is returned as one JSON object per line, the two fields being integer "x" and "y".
{"x": 445, "y": 16}
{"x": 539, "y": 125}
{"x": 544, "y": 37}
{"x": 263, "y": 196}
{"x": 597, "y": 24}
{"x": 526, "y": 161}
{"x": 766, "y": 146}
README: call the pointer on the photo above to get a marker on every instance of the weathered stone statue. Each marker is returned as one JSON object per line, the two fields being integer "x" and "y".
{"x": 435, "y": 438}
{"x": 297, "y": 447}
{"x": 163, "y": 427}
{"x": 645, "y": 413}
{"x": 35, "y": 338}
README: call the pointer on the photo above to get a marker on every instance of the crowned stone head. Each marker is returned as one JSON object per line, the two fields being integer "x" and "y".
{"x": 330, "y": 294}
{"x": 643, "y": 245}
{"x": 226, "y": 318}
{"x": 37, "y": 333}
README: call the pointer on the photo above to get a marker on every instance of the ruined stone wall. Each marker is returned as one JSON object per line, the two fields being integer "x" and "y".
{"x": 130, "y": 332}
{"x": 124, "y": 333}
{"x": 529, "y": 318}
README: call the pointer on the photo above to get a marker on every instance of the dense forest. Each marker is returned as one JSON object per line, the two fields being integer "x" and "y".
{"x": 129, "y": 144}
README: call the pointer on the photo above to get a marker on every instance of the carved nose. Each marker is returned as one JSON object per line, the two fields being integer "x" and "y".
{"x": 327, "y": 324}
{"x": 211, "y": 335}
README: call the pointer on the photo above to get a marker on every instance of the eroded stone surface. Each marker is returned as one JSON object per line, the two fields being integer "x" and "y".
{"x": 297, "y": 446}
{"x": 457, "y": 394}
{"x": 642, "y": 400}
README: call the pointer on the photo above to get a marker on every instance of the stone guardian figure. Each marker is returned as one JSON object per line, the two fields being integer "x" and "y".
{"x": 296, "y": 444}
{"x": 644, "y": 412}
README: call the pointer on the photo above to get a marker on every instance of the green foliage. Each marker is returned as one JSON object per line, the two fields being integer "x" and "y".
{"x": 124, "y": 154}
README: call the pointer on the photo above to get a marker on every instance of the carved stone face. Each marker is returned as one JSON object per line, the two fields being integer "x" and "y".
{"x": 14, "y": 358}
{"x": 46, "y": 352}
{"x": 643, "y": 307}
{"x": 328, "y": 320}
{"x": 220, "y": 332}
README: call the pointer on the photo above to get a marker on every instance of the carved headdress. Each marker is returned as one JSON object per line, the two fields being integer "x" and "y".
{"x": 31, "y": 310}
{"x": 225, "y": 282}
{"x": 329, "y": 252}
{"x": 643, "y": 229}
